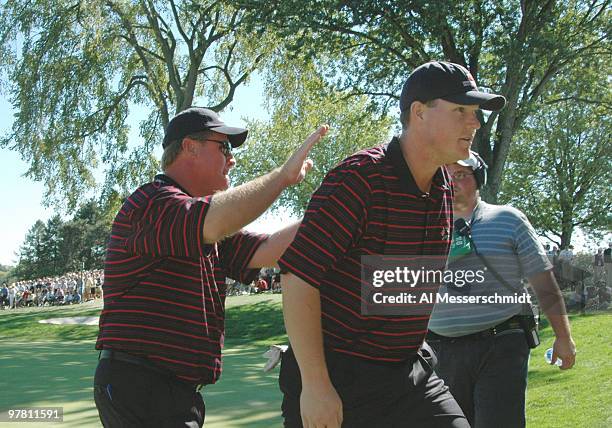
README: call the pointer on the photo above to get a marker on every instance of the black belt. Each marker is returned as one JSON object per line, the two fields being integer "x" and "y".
{"x": 510, "y": 324}
{"x": 111, "y": 354}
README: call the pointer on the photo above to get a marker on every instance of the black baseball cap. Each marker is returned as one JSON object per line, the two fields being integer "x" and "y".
{"x": 196, "y": 119}
{"x": 448, "y": 81}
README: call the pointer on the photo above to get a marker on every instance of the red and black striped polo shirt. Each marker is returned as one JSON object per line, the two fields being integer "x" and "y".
{"x": 164, "y": 288}
{"x": 369, "y": 205}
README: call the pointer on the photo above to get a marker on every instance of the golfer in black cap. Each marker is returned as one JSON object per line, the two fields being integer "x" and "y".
{"x": 173, "y": 243}
{"x": 354, "y": 369}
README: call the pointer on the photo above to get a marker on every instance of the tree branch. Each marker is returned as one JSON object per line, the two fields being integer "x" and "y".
{"x": 168, "y": 52}
{"x": 133, "y": 41}
{"x": 578, "y": 100}
{"x": 142, "y": 48}
{"x": 375, "y": 41}
{"x": 134, "y": 81}
{"x": 179, "y": 26}
{"x": 406, "y": 37}
{"x": 239, "y": 81}
{"x": 356, "y": 93}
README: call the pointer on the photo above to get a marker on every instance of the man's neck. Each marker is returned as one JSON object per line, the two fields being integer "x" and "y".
{"x": 422, "y": 166}
{"x": 464, "y": 209}
{"x": 185, "y": 179}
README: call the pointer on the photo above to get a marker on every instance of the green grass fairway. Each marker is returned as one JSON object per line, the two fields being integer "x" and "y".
{"x": 53, "y": 365}
{"x": 582, "y": 396}
{"x": 50, "y": 365}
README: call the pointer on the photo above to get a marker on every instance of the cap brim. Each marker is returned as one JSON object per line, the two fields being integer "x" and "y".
{"x": 236, "y": 136}
{"x": 470, "y": 162}
{"x": 485, "y": 101}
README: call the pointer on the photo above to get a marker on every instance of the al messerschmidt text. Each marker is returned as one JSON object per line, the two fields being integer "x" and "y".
{"x": 381, "y": 298}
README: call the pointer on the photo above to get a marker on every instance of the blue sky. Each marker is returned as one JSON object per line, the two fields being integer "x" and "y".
{"x": 23, "y": 198}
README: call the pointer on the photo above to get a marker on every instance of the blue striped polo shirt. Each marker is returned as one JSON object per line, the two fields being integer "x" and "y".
{"x": 504, "y": 236}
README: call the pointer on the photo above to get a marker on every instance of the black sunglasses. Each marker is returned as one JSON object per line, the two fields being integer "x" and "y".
{"x": 226, "y": 147}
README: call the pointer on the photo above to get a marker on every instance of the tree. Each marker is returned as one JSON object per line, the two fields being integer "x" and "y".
{"x": 559, "y": 167}
{"x": 71, "y": 235}
{"x": 41, "y": 253}
{"x": 75, "y": 71}
{"x": 30, "y": 252}
{"x": 60, "y": 246}
{"x": 5, "y": 273}
{"x": 92, "y": 226}
{"x": 50, "y": 254}
{"x": 301, "y": 101}
{"x": 516, "y": 48}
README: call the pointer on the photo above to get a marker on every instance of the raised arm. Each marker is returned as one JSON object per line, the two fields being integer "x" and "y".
{"x": 234, "y": 208}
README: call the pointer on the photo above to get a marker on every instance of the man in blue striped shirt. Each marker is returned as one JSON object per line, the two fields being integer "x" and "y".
{"x": 478, "y": 327}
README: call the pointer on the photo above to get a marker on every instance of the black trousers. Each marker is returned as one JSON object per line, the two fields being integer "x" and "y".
{"x": 129, "y": 395}
{"x": 487, "y": 376}
{"x": 377, "y": 394}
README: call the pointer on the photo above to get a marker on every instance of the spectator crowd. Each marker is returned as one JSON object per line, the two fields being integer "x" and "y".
{"x": 79, "y": 287}
{"x": 590, "y": 285}
{"x": 267, "y": 281}
{"x": 71, "y": 288}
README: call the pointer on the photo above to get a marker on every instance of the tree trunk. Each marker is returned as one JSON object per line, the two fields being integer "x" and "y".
{"x": 566, "y": 234}
{"x": 567, "y": 228}
{"x": 495, "y": 156}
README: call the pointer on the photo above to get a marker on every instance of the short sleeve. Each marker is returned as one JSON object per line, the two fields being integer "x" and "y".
{"x": 235, "y": 253}
{"x": 167, "y": 223}
{"x": 530, "y": 251}
{"x": 333, "y": 223}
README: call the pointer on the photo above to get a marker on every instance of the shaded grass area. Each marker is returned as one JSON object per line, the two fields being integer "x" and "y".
{"x": 61, "y": 374}
{"x": 22, "y": 324}
{"x": 261, "y": 321}
{"x": 50, "y": 373}
{"x": 53, "y": 365}
{"x": 44, "y": 364}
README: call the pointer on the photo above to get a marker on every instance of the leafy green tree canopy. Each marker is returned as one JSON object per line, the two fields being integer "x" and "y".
{"x": 76, "y": 69}
{"x": 512, "y": 47}
{"x": 300, "y": 101}
{"x": 559, "y": 166}
{"x": 59, "y": 246}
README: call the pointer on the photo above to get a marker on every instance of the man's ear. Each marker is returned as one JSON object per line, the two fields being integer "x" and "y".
{"x": 189, "y": 145}
{"x": 417, "y": 109}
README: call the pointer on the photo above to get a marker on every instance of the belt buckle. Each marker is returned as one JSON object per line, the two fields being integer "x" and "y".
{"x": 490, "y": 332}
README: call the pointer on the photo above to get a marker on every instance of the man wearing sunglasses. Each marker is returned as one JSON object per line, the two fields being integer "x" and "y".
{"x": 483, "y": 346}
{"x": 173, "y": 243}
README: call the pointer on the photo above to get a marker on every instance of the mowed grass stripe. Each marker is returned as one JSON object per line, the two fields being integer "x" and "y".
{"x": 52, "y": 365}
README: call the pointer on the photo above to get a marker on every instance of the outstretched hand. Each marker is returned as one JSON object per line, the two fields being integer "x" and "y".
{"x": 297, "y": 166}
